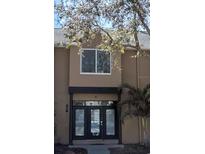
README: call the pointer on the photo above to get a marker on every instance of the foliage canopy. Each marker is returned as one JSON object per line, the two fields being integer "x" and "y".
{"x": 119, "y": 21}
{"x": 137, "y": 101}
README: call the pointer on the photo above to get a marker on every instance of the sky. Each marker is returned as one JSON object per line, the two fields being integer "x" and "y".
{"x": 56, "y": 23}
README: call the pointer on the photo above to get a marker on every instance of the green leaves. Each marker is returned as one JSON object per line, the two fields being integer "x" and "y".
{"x": 113, "y": 19}
{"x": 135, "y": 100}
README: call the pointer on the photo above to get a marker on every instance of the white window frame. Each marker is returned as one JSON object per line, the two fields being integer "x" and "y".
{"x": 94, "y": 73}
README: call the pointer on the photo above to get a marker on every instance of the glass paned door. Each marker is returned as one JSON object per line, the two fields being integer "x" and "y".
{"x": 110, "y": 122}
{"x": 79, "y": 122}
{"x": 95, "y": 122}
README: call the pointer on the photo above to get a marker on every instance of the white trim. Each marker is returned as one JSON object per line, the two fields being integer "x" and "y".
{"x": 94, "y": 73}
{"x": 84, "y": 73}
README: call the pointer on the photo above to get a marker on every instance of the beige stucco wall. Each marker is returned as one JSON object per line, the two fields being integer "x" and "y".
{"x": 134, "y": 131}
{"x": 77, "y": 79}
{"x": 69, "y": 61}
{"x": 130, "y": 131}
{"x": 61, "y": 97}
{"x": 135, "y": 70}
{"x": 144, "y": 71}
{"x": 129, "y": 68}
{"x": 129, "y": 125}
{"x": 111, "y": 97}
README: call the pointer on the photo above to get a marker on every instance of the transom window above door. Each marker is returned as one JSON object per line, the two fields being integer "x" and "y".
{"x": 93, "y": 103}
{"x": 95, "y": 61}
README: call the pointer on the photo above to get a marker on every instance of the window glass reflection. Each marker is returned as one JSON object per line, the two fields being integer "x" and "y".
{"x": 110, "y": 122}
{"x": 93, "y": 103}
{"x": 79, "y": 122}
{"x": 95, "y": 122}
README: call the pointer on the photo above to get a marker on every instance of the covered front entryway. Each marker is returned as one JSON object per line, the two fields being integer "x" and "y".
{"x": 94, "y": 116}
{"x": 95, "y": 120}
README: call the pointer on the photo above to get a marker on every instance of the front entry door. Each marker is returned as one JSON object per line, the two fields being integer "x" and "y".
{"x": 95, "y": 122}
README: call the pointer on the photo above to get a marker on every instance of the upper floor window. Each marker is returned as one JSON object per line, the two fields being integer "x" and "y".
{"x": 94, "y": 61}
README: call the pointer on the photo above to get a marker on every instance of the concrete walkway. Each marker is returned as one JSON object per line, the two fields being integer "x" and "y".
{"x": 97, "y": 149}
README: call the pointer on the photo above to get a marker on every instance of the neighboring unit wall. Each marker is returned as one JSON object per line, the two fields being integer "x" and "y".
{"x": 130, "y": 131}
{"x": 136, "y": 129}
{"x": 130, "y": 126}
{"x": 129, "y": 68}
{"x": 143, "y": 70}
{"x": 135, "y": 72}
{"x": 61, "y": 97}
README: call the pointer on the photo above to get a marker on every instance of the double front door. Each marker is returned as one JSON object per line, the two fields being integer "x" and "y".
{"x": 95, "y": 122}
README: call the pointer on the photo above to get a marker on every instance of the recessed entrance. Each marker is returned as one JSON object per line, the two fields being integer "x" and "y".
{"x": 95, "y": 120}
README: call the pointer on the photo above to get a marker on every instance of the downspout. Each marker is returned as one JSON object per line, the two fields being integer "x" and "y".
{"x": 137, "y": 82}
{"x": 119, "y": 108}
{"x": 70, "y": 102}
{"x": 137, "y": 86}
{"x": 137, "y": 69}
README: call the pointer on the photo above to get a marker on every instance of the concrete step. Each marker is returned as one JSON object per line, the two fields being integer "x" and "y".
{"x": 97, "y": 149}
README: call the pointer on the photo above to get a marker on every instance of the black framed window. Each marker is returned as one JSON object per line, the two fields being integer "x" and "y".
{"x": 88, "y": 61}
{"x": 95, "y": 122}
{"x": 110, "y": 122}
{"x": 95, "y": 61}
{"x": 103, "y": 62}
{"x": 79, "y": 122}
{"x": 93, "y": 103}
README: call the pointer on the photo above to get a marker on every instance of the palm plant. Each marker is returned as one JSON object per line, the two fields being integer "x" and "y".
{"x": 137, "y": 102}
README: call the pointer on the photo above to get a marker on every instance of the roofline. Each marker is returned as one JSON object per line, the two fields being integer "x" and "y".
{"x": 126, "y": 48}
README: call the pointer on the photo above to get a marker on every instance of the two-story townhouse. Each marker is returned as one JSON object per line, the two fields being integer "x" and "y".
{"x": 86, "y": 92}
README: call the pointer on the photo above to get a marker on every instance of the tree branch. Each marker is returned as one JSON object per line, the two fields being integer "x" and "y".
{"x": 111, "y": 39}
{"x": 141, "y": 17}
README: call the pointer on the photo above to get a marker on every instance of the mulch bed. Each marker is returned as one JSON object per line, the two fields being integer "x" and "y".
{"x": 130, "y": 149}
{"x": 64, "y": 149}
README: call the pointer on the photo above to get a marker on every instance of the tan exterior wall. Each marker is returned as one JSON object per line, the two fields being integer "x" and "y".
{"x": 144, "y": 71}
{"x": 61, "y": 96}
{"x": 69, "y": 61}
{"x": 84, "y": 80}
{"x": 130, "y": 131}
{"x": 145, "y": 129}
{"x": 129, "y": 68}
{"x": 135, "y": 130}
{"x": 129, "y": 125}
{"x": 135, "y": 71}
{"x": 111, "y": 97}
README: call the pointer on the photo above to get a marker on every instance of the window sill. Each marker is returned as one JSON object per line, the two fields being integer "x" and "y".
{"x": 95, "y": 73}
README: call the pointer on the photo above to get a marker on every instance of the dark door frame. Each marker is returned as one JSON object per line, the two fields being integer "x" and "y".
{"x": 98, "y": 90}
{"x": 87, "y": 125}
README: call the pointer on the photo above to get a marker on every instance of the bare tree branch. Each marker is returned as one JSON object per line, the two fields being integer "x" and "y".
{"x": 142, "y": 19}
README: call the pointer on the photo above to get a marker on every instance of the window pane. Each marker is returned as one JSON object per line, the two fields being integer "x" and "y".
{"x": 110, "y": 122}
{"x": 79, "y": 122}
{"x": 93, "y": 103}
{"x": 79, "y": 103}
{"x": 88, "y": 61}
{"x": 95, "y": 122}
{"x": 103, "y": 62}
